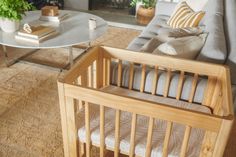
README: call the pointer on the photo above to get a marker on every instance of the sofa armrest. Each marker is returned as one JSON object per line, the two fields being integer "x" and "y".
{"x": 165, "y": 8}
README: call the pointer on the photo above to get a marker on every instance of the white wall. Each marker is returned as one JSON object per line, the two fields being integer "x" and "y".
{"x": 77, "y": 4}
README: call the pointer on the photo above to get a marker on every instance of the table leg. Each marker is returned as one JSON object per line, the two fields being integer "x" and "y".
{"x": 13, "y": 61}
{"x": 71, "y": 58}
{"x": 5, "y": 56}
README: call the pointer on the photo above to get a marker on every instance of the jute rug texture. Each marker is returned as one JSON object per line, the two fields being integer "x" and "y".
{"x": 29, "y": 110}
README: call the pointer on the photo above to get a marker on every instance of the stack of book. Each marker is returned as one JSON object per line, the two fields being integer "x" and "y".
{"x": 38, "y": 34}
{"x": 59, "y": 18}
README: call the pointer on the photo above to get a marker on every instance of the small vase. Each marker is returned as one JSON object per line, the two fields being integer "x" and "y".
{"x": 9, "y": 26}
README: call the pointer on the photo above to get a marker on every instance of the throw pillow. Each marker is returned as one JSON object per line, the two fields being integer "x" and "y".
{"x": 183, "y": 32}
{"x": 151, "y": 45}
{"x": 186, "y": 47}
{"x": 184, "y": 16}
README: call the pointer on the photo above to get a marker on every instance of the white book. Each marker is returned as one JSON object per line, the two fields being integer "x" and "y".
{"x": 38, "y": 33}
{"x": 58, "y": 18}
{"x": 27, "y": 40}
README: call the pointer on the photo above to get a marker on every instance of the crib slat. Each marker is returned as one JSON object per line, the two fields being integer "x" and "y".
{"x": 119, "y": 79}
{"x": 90, "y": 76}
{"x": 143, "y": 78}
{"x": 87, "y": 128}
{"x": 185, "y": 141}
{"x": 208, "y": 93}
{"x": 217, "y": 110}
{"x": 180, "y": 85}
{"x": 167, "y": 84}
{"x": 167, "y": 138}
{"x": 132, "y": 136}
{"x": 84, "y": 78}
{"x": 216, "y": 94}
{"x": 149, "y": 137}
{"x": 108, "y": 71}
{"x": 154, "y": 82}
{"x": 102, "y": 130}
{"x": 194, "y": 86}
{"x": 117, "y": 134}
{"x": 131, "y": 75}
{"x": 104, "y": 71}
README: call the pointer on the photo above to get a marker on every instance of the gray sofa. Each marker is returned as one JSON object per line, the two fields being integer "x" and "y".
{"x": 220, "y": 48}
{"x": 220, "y": 45}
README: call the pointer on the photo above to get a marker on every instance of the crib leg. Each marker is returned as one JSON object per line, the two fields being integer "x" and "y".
{"x": 81, "y": 149}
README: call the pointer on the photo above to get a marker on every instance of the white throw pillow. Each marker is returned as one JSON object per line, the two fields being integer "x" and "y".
{"x": 197, "y": 5}
{"x": 186, "y": 47}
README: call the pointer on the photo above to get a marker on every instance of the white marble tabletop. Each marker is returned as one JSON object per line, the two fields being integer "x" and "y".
{"x": 73, "y": 30}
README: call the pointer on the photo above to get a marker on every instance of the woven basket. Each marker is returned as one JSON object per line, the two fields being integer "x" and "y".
{"x": 145, "y": 15}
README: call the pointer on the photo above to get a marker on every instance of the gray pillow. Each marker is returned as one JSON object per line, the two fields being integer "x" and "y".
{"x": 151, "y": 45}
{"x": 187, "y": 31}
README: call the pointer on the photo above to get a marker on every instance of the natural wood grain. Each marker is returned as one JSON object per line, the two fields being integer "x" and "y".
{"x": 117, "y": 134}
{"x": 105, "y": 72}
{"x": 87, "y": 127}
{"x": 132, "y": 136}
{"x": 180, "y": 85}
{"x": 131, "y": 75}
{"x": 102, "y": 130}
{"x": 193, "y": 88}
{"x": 62, "y": 103}
{"x": 155, "y": 80}
{"x": 108, "y": 63}
{"x": 167, "y": 138}
{"x": 156, "y": 110}
{"x": 149, "y": 137}
{"x": 185, "y": 141}
{"x": 167, "y": 83}
{"x": 143, "y": 78}
{"x": 119, "y": 79}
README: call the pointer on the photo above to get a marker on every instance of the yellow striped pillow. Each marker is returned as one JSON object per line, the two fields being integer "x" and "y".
{"x": 184, "y": 16}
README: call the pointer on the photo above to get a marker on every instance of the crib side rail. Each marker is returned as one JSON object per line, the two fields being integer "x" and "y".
{"x": 217, "y": 96}
{"x": 216, "y": 126}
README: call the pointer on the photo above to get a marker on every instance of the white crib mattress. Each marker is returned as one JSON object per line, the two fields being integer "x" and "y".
{"x": 159, "y": 129}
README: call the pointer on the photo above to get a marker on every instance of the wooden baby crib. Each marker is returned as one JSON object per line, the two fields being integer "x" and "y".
{"x": 95, "y": 111}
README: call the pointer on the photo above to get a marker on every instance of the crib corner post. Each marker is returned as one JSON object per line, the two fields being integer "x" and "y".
{"x": 62, "y": 104}
{"x": 223, "y": 137}
{"x": 99, "y": 69}
{"x": 69, "y": 130}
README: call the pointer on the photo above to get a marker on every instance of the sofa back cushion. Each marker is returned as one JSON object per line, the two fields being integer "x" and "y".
{"x": 230, "y": 31}
{"x": 215, "y": 49}
{"x": 165, "y": 8}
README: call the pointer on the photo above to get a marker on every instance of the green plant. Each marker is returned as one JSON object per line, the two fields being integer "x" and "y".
{"x": 145, "y": 3}
{"x": 14, "y": 9}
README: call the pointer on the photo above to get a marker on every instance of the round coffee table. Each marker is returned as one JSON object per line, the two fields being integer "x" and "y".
{"x": 73, "y": 30}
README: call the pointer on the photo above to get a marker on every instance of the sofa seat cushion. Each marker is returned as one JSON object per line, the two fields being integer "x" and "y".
{"x": 196, "y": 136}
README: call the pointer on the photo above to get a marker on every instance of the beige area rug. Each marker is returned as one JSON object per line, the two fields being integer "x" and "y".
{"x": 29, "y": 111}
